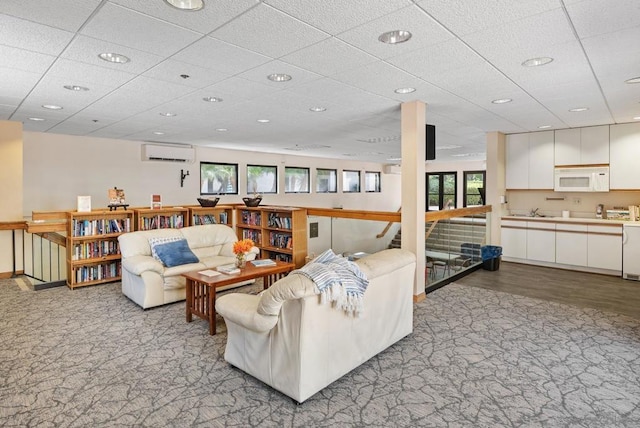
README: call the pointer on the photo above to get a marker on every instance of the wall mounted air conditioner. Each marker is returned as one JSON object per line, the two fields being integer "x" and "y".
{"x": 392, "y": 169}
{"x": 168, "y": 153}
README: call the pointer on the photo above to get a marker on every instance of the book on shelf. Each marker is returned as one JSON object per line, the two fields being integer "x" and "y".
{"x": 228, "y": 269}
{"x": 209, "y": 272}
{"x": 263, "y": 262}
{"x": 156, "y": 202}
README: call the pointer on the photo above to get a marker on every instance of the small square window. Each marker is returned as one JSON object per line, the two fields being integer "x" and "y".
{"x": 218, "y": 178}
{"x": 350, "y": 181}
{"x": 262, "y": 179}
{"x": 371, "y": 181}
{"x": 326, "y": 180}
{"x": 296, "y": 180}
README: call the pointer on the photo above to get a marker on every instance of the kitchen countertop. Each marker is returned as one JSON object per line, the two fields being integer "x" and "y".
{"x": 582, "y": 220}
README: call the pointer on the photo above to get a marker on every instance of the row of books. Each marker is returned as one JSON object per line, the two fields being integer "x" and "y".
{"x": 100, "y": 226}
{"x": 254, "y": 235}
{"x": 253, "y": 218}
{"x": 280, "y": 240}
{"x": 209, "y": 219}
{"x": 282, "y": 257}
{"x": 90, "y": 250}
{"x": 280, "y": 222}
{"x": 174, "y": 221}
{"x": 98, "y": 272}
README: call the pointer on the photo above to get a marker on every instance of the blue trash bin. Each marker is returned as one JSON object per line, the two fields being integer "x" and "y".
{"x": 491, "y": 257}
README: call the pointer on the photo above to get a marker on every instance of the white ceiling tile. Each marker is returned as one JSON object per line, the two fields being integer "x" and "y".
{"x": 6, "y": 111}
{"x": 88, "y": 75}
{"x": 67, "y": 15}
{"x": 138, "y": 31}
{"x": 23, "y": 34}
{"x": 220, "y": 56}
{"x": 336, "y": 16}
{"x": 269, "y": 32}
{"x": 425, "y": 32}
{"x": 594, "y": 17}
{"x": 614, "y": 56}
{"x": 16, "y": 84}
{"x": 24, "y": 60}
{"x": 298, "y": 75}
{"x": 174, "y": 71}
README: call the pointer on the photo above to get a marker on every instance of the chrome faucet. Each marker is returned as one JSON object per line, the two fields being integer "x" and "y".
{"x": 534, "y": 213}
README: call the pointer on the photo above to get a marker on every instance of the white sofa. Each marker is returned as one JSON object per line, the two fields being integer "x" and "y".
{"x": 286, "y": 338}
{"x": 149, "y": 283}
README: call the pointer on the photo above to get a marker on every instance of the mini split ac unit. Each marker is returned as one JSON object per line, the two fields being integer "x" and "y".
{"x": 392, "y": 169}
{"x": 168, "y": 153}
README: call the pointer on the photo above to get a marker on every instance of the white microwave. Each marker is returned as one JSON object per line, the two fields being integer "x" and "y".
{"x": 581, "y": 179}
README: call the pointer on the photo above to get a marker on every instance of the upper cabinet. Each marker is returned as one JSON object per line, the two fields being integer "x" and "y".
{"x": 625, "y": 152}
{"x": 530, "y": 160}
{"x": 582, "y": 146}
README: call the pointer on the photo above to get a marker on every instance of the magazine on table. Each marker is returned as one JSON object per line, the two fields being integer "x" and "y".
{"x": 228, "y": 269}
{"x": 263, "y": 262}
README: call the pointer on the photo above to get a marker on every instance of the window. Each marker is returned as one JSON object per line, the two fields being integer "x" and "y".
{"x": 474, "y": 185}
{"x": 350, "y": 181}
{"x": 371, "y": 181}
{"x": 326, "y": 180}
{"x": 262, "y": 179}
{"x": 441, "y": 191}
{"x": 218, "y": 178}
{"x": 296, "y": 180}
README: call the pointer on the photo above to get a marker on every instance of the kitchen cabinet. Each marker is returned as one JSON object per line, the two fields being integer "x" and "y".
{"x": 529, "y": 160}
{"x": 514, "y": 239}
{"x": 571, "y": 244}
{"x": 625, "y": 152}
{"x": 604, "y": 247}
{"x": 541, "y": 241}
{"x": 582, "y": 146}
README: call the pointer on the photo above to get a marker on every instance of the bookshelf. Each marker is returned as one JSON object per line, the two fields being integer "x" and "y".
{"x": 279, "y": 232}
{"x": 93, "y": 253}
{"x": 164, "y": 218}
{"x": 220, "y": 214}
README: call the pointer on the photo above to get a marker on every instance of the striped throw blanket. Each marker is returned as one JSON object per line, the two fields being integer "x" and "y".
{"x": 337, "y": 280}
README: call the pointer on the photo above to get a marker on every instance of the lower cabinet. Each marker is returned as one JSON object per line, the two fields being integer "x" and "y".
{"x": 514, "y": 239}
{"x": 571, "y": 244}
{"x": 604, "y": 247}
{"x": 541, "y": 242}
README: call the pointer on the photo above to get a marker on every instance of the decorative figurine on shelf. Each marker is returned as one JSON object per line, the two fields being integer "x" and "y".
{"x": 116, "y": 199}
{"x": 242, "y": 249}
{"x": 253, "y": 202}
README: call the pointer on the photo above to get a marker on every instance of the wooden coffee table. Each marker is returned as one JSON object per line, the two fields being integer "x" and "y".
{"x": 201, "y": 289}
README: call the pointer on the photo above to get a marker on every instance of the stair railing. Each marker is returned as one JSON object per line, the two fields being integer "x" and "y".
{"x": 387, "y": 227}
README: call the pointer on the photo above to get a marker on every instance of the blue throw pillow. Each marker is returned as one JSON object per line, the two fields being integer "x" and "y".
{"x": 176, "y": 253}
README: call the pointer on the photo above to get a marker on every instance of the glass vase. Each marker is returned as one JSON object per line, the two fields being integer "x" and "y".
{"x": 241, "y": 260}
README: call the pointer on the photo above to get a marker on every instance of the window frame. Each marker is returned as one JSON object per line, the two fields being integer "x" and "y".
{"x": 344, "y": 180}
{"x": 253, "y": 192}
{"x": 378, "y": 184}
{"x": 465, "y": 188}
{"x": 234, "y": 180}
{"x": 335, "y": 181}
{"x": 441, "y": 194}
{"x": 286, "y": 175}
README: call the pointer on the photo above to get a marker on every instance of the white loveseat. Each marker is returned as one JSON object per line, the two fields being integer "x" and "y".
{"x": 149, "y": 283}
{"x": 286, "y": 338}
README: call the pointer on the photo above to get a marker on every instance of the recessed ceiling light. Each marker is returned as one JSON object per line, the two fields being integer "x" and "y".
{"x": 279, "y": 77}
{"x": 36, "y": 119}
{"x": 168, "y": 114}
{"x": 75, "y": 88}
{"x": 221, "y": 129}
{"x": 52, "y": 106}
{"x": 186, "y": 4}
{"x": 394, "y": 37}
{"x": 212, "y": 99}
{"x": 544, "y": 126}
{"x": 404, "y": 90}
{"x": 114, "y": 57}
{"x": 535, "y": 62}
{"x": 158, "y": 133}
{"x": 264, "y": 120}
{"x": 578, "y": 109}
{"x": 318, "y": 109}
{"x": 634, "y": 118}
{"x": 633, "y": 80}
{"x": 394, "y": 159}
{"x": 502, "y": 101}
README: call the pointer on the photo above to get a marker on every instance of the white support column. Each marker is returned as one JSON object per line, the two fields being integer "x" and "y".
{"x": 413, "y": 188}
{"x": 496, "y": 182}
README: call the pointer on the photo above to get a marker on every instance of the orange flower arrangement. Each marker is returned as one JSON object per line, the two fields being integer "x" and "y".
{"x": 243, "y": 246}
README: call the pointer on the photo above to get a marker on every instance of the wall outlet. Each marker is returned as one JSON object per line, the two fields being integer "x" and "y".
{"x": 576, "y": 201}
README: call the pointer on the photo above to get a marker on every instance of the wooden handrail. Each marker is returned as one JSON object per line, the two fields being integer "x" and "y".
{"x": 387, "y": 227}
{"x": 430, "y": 216}
{"x": 355, "y": 214}
{"x": 13, "y": 225}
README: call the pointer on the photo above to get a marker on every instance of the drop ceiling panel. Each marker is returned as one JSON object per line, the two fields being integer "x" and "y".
{"x": 138, "y": 31}
{"x": 614, "y": 56}
{"x": 425, "y": 32}
{"x": 82, "y": 74}
{"x": 236, "y": 89}
{"x": 220, "y": 56}
{"x": 260, "y": 73}
{"x": 66, "y": 15}
{"x": 269, "y": 32}
{"x": 16, "y": 84}
{"x": 78, "y": 125}
{"x": 19, "y": 33}
{"x": 213, "y": 15}
{"x": 50, "y": 90}
{"x": 336, "y": 16}
{"x": 173, "y": 71}
{"x": 24, "y": 60}
{"x": 595, "y": 17}
{"x": 6, "y": 111}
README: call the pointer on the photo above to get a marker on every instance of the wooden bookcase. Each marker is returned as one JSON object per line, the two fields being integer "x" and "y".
{"x": 279, "y": 232}
{"x": 93, "y": 253}
{"x": 220, "y": 214}
{"x": 164, "y": 218}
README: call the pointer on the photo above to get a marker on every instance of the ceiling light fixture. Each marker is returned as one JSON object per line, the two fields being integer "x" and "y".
{"x": 221, "y": 129}
{"x": 168, "y": 114}
{"x": 158, "y": 133}
{"x": 536, "y": 62}
{"x": 636, "y": 118}
{"x": 76, "y": 88}
{"x": 37, "y": 119}
{"x": 633, "y": 80}
{"x": 578, "y": 109}
{"x": 544, "y": 126}
{"x": 279, "y": 77}
{"x": 51, "y": 107}
{"x": 318, "y": 109}
{"x": 114, "y": 57}
{"x": 502, "y": 101}
{"x": 212, "y": 99}
{"x": 264, "y": 120}
{"x": 404, "y": 90}
{"x": 186, "y": 4}
{"x": 394, "y": 159}
{"x": 394, "y": 37}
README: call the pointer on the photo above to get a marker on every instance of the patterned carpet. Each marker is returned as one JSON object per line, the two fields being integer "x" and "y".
{"x": 477, "y": 358}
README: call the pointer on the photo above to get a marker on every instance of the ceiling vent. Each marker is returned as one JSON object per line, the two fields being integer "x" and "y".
{"x": 168, "y": 153}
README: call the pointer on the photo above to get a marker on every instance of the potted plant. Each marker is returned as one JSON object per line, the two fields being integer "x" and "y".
{"x": 253, "y": 202}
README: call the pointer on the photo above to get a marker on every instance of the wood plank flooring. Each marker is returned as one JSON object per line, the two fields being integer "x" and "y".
{"x": 607, "y": 293}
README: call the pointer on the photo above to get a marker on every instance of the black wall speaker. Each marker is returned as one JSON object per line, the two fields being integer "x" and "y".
{"x": 431, "y": 142}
